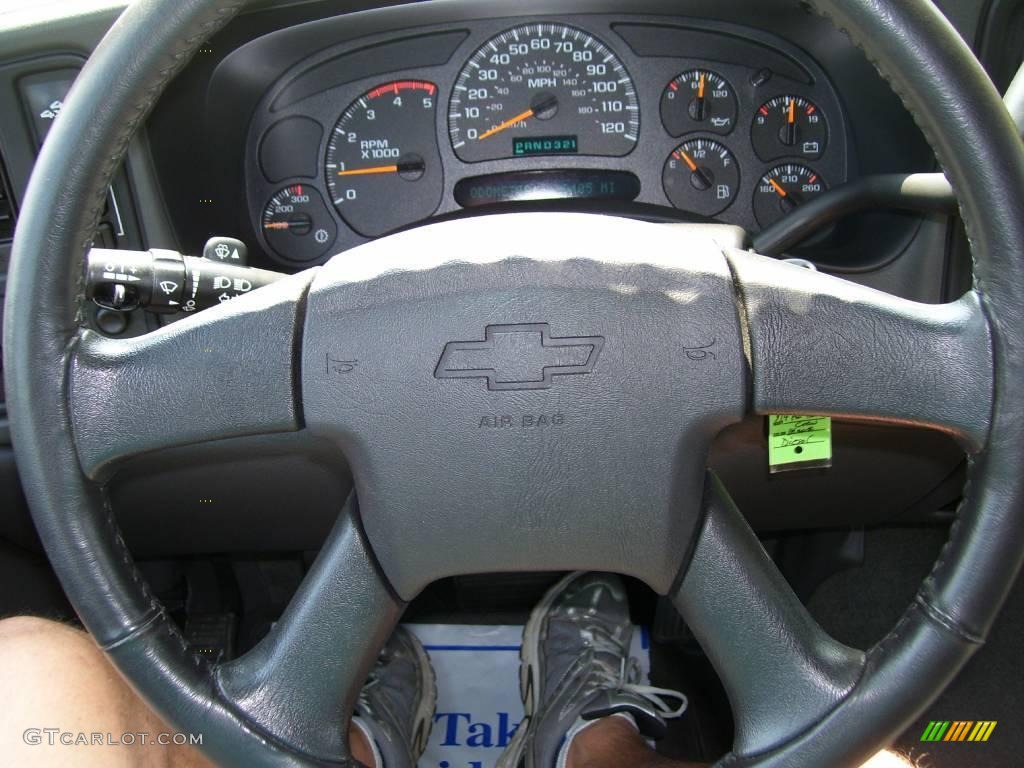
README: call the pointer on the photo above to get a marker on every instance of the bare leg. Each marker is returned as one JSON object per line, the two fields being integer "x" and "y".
{"x": 612, "y": 743}
{"x": 55, "y": 677}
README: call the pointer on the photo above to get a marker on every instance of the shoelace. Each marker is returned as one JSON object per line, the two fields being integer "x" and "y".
{"x": 657, "y": 697}
{"x": 372, "y": 680}
{"x": 626, "y": 676}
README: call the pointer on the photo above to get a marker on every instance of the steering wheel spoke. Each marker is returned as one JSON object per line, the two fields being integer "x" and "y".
{"x": 300, "y": 683}
{"x": 781, "y": 670}
{"x": 826, "y": 346}
{"x": 225, "y": 372}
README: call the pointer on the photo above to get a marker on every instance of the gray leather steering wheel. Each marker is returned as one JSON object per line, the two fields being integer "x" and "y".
{"x": 637, "y": 343}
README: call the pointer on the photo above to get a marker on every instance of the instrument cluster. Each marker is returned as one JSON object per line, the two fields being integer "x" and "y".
{"x": 632, "y": 116}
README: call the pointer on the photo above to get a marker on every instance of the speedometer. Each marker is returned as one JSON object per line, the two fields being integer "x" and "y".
{"x": 543, "y": 89}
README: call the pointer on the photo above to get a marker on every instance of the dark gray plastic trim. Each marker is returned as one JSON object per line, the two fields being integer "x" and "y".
{"x": 224, "y": 372}
{"x": 309, "y": 670}
{"x": 782, "y": 671}
{"x": 476, "y": 445}
{"x": 822, "y": 345}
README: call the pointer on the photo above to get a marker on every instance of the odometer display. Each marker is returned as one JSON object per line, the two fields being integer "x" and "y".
{"x": 543, "y": 81}
{"x": 547, "y": 184}
{"x": 545, "y": 145}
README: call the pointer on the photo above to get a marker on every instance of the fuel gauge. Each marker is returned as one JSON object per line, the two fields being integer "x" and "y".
{"x": 701, "y": 176}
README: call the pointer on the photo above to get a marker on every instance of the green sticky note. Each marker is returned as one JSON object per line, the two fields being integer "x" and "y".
{"x": 799, "y": 442}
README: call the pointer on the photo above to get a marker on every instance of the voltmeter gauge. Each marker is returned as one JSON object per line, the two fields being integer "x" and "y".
{"x": 297, "y": 225}
{"x": 701, "y": 176}
{"x": 783, "y": 189}
{"x": 789, "y": 126}
{"x": 698, "y": 100}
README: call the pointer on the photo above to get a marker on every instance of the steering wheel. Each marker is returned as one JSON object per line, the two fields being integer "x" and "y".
{"x": 530, "y": 391}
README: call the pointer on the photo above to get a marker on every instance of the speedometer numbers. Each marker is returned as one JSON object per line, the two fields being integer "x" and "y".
{"x": 383, "y": 167}
{"x": 543, "y": 89}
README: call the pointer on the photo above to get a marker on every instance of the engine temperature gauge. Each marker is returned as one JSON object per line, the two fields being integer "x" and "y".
{"x": 783, "y": 189}
{"x": 789, "y": 126}
{"x": 698, "y": 100}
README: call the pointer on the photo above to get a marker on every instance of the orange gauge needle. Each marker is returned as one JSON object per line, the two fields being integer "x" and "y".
{"x": 368, "y": 171}
{"x": 278, "y": 225}
{"x": 507, "y": 124}
{"x": 777, "y": 187}
{"x": 791, "y": 117}
{"x": 689, "y": 162}
{"x": 700, "y": 86}
{"x": 413, "y": 165}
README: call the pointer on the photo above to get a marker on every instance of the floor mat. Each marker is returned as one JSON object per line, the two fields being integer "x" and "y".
{"x": 859, "y": 606}
{"x": 478, "y": 704}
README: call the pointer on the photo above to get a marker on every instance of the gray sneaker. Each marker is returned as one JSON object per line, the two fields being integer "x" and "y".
{"x": 395, "y": 709}
{"x": 575, "y": 667}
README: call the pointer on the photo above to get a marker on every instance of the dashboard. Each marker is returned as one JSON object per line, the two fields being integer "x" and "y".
{"x": 583, "y": 105}
{"x": 473, "y": 107}
{"x": 666, "y": 119}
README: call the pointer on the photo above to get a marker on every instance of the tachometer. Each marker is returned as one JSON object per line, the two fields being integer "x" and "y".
{"x": 383, "y": 168}
{"x": 543, "y": 89}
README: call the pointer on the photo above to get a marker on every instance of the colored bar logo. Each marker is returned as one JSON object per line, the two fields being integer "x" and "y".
{"x": 959, "y": 730}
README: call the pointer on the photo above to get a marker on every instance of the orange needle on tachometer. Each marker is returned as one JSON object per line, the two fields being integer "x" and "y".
{"x": 700, "y": 87}
{"x": 507, "y": 124}
{"x": 777, "y": 187}
{"x": 791, "y": 118}
{"x": 367, "y": 171}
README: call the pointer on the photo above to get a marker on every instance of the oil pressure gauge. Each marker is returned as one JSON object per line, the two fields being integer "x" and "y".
{"x": 698, "y": 100}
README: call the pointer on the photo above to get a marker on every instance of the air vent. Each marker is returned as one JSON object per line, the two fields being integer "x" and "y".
{"x": 7, "y": 213}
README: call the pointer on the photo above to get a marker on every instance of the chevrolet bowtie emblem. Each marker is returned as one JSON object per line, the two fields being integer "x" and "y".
{"x": 519, "y": 357}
